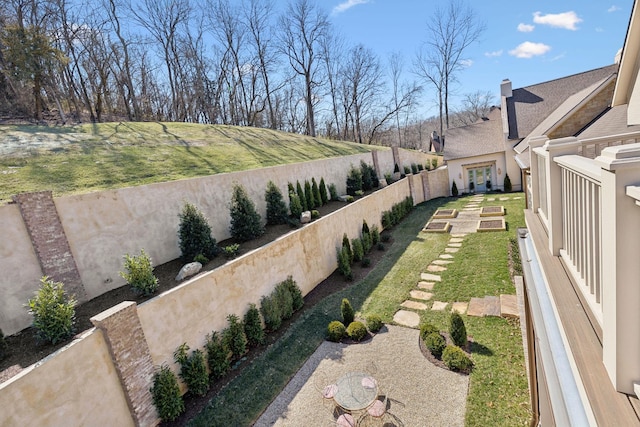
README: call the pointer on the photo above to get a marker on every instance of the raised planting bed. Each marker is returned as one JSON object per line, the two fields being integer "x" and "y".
{"x": 437, "y": 227}
{"x": 491, "y": 225}
{"x": 492, "y": 211}
{"x": 445, "y": 213}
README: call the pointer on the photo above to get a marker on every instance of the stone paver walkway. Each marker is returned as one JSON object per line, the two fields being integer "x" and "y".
{"x": 466, "y": 222}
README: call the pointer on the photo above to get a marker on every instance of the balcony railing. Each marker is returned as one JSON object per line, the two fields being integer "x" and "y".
{"x": 586, "y": 192}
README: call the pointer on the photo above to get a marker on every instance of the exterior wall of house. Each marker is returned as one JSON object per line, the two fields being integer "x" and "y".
{"x": 458, "y": 171}
{"x": 584, "y": 115}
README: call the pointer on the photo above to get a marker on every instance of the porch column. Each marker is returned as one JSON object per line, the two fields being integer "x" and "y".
{"x": 620, "y": 265}
{"x": 555, "y": 148}
{"x": 534, "y": 143}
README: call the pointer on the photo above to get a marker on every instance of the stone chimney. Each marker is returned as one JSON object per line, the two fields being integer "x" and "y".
{"x": 505, "y": 88}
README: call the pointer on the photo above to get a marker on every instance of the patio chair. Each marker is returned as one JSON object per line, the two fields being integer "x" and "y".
{"x": 325, "y": 388}
{"x": 378, "y": 413}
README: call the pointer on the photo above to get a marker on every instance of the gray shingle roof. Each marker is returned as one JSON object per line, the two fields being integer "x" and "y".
{"x": 474, "y": 140}
{"x": 612, "y": 122}
{"x": 530, "y": 105}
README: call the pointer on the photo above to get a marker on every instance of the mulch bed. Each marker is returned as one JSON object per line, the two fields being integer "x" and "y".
{"x": 438, "y": 362}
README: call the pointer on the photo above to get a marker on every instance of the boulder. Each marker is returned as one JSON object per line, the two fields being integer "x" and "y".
{"x": 305, "y": 217}
{"x": 382, "y": 183}
{"x": 188, "y": 270}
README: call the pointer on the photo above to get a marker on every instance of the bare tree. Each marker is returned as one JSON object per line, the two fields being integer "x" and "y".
{"x": 449, "y": 33}
{"x": 303, "y": 26}
{"x": 475, "y": 106}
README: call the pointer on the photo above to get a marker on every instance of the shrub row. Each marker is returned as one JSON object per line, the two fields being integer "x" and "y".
{"x": 452, "y": 355}
{"x": 361, "y": 179}
{"x": 397, "y": 213}
{"x": 221, "y": 350}
{"x": 357, "y": 249}
{"x": 356, "y": 330}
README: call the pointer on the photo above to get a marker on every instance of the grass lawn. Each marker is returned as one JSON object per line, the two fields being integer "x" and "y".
{"x": 85, "y": 158}
{"x": 498, "y": 385}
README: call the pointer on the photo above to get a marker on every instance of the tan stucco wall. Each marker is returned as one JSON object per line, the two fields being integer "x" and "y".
{"x": 76, "y": 386}
{"x": 191, "y": 311}
{"x": 437, "y": 182}
{"x": 102, "y": 226}
{"x": 407, "y": 157}
{"x": 20, "y": 270}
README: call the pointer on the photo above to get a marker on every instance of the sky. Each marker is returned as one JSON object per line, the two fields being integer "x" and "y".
{"x": 528, "y": 42}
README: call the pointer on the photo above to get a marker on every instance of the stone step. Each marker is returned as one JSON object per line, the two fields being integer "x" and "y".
{"x": 439, "y": 305}
{"x": 456, "y": 240}
{"x": 436, "y": 268}
{"x": 487, "y": 306}
{"x": 446, "y": 256}
{"x": 428, "y": 277}
{"x": 407, "y": 318}
{"x": 451, "y": 250}
{"x": 426, "y": 285}
{"x": 441, "y": 262}
{"x": 421, "y": 295}
{"x": 414, "y": 305}
{"x": 454, "y": 245}
{"x": 509, "y": 306}
{"x": 460, "y": 307}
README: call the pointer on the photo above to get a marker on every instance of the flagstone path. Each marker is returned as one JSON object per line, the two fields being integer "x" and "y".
{"x": 421, "y": 298}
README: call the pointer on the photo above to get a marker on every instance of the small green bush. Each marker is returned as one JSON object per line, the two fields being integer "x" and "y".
{"x": 308, "y": 196}
{"x": 427, "y": 166}
{"x": 217, "y": 355}
{"x": 335, "y": 331}
{"x": 375, "y": 235}
{"x": 407, "y": 170}
{"x": 201, "y": 259}
{"x": 53, "y": 311}
{"x": 253, "y": 326}
{"x": 380, "y": 246}
{"x": 347, "y": 312}
{"x": 426, "y": 329}
{"x": 354, "y": 181}
{"x": 507, "y": 184}
{"x": 396, "y": 168}
{"x": 193, "y": 370}
{"x": 3, "y": 346}
{"x": 234, "y": 337}
{"x": 388, "y": 178}
{"x": 367, "y": 176}
{"x": 301, "y": 196}
{"x": 457, "y": 330}
{"x": 347, "y": 246}
{"x": 270, "y": 310}
{"x": 414, "y": 168}
{"x": 290, "y": 188}
{"x": 315, "y": 190}
{"x": 367, "y": 244}
{"x": 245, "y": 221}
{"x": 284, "y": 299}
{"x": 366, "y": 262}
{"x": 350, "y": 199}
{"x": 359, "y": 193}
{"x": 356, "y": 331}
{"x": 456, "y": 359}
{"x": 324, "y": 197}
{"x": 276, "y": 207}
{"x": 139, "y": 273}
{"x": 231, "y": 251}
{"x": 374, "y": 323}
{"x": 166, "y": 394}
{"x": 454, "y": 189}
{"x": 420, "y": 167}
{"x": 194, "y": 234}
{"x": 435, "y": 343}
{"x": 295, "y": 206}
{"x": 434, "y": 163}
{"x": 365, "y": 227}
{"x": 344, "y": 263}
{"x": 333, "y": 192}
{"x": 386, "y": 220}
{"x": 315, "y": 214}
{"x": 386, "y": 237}
{"x": 358, "y": 250}
{"x": 296, "y": 293}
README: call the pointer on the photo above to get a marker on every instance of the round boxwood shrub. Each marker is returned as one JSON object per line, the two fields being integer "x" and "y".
{"x": 139, "y": 273}
{"x": 456, "y": 359}
{"x": 335, "y": 331}
{"x": 356, "y": 331}
{"x": 54, "y": 313}
{"x": 435, "y": 343}
{"x": 166, "y": 394}
{"x": 374, "y": 323}
{"x": 457, "y": 330}
{"x": 426, "y": 329}
{"x": 347, "y": 312}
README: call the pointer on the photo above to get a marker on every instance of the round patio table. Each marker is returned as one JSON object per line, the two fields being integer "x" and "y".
{"x": 356, "y": 391}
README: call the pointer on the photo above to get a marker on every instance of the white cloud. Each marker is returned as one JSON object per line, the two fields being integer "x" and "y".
{"x": 529, "y": 50}
{"x": 613, "y": 8}
{"x": 346, "y": 5}
{"x": 466, "y": 63}
{"x": 493, "y": 54}
{"x": 566, "y": 20}
{"x": 525, "y": 28}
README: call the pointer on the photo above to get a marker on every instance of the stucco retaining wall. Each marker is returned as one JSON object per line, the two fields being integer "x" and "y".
{"x": 76, "y": 386}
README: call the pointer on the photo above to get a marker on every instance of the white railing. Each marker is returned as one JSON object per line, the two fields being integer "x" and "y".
{"x": 593, "y": 147}
{"x": 581, "y": 226}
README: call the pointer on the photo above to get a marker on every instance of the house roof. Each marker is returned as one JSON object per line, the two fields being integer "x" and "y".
{"x": 564, "y": 111}
{"x": 612, "y": 122}
{"x": 529, "y": 106}
{"x": 476, "y": 139}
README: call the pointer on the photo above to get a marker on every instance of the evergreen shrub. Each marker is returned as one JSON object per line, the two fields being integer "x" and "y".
{"x": 217, "y": 355}
{"x": 253, "y": 326}
{"x": 457, "y": 330}
{"x": 234, "y": 337}
{"x": 356, "y": 331}
{"x": 301, "y": 196}
{"x": 454, "y": 189}
{"x": 139, "y": 273}
{"x": 284, "y": 299}
{"x": 296, "y": 293}
{"x": 315, "y": 190}
{"x": 166, "y": 394}
{"x": 201, "y": 259}
{"x": 324, "y": 198}
{"x": 295, "y": 206}
{"x": 276, "y": 207}
{"x": 53, "y": 311}
{"x": 347, "y": 311}
{"x": 366, "y": 262}
{"x": 456, "y": 359}
{"x": 507, "y": 184}
{"x": 335, "y": 331}
{"x": 194, "y": 234}
{"x": 367, "y": 244}
{"x": 375, "y": 234}
{"x": 435, "y": 343}
{"x": 231, "y": 251}
{"x": 310, "y": 202}
{"x": 358, "y": 252}
{"x": 193, "y": 370}
{"x": 347, "y": 246}
{"x": 333, "y": 192}
{"x": 354, "y": 181}
{"x": 374, "y": 323}
{"x": 344, "y": 263}
{"x": 426, "y": 329}
{"x": 270, "y": 310}
{"x": 245, "y": 221}
{"x": 414, "y": 168}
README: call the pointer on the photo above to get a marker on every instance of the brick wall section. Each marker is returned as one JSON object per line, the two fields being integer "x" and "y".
{"x": 585, "y": 114}
{"x": 49, "y": 240}
{"x": 130, "y": 353}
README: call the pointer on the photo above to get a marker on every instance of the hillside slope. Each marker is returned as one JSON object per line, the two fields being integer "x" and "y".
{"x": 85, "y": 158}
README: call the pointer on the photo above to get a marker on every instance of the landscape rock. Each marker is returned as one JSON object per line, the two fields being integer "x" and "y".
{"x": 188, "y": 270}
{"x": 305, "y": 217}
